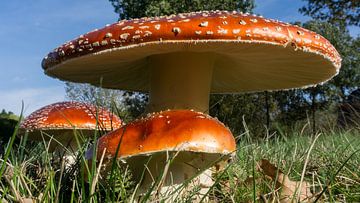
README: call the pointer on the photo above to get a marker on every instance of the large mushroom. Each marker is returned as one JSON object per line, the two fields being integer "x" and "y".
{"x": 179, "y": 60}
{"x": 59, "y": 122}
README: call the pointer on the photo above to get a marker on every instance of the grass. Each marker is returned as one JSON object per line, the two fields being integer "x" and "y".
{"x": 329, "y": 163}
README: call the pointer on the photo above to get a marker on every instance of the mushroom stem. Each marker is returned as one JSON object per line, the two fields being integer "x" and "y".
{"x": 180, "y": 80}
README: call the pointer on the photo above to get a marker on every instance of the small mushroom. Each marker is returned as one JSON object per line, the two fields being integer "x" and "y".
{"x": 201, "y": 139}
{"x": 57, "y": 123}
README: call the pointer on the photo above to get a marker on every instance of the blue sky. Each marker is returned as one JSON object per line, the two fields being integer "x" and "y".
{"x": 30, "y": 29}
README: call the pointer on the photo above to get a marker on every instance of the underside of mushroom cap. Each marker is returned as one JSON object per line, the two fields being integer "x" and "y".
{"x": 252, "y": 53}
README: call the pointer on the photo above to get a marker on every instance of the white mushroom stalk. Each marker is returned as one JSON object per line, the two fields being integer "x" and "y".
{"x": 180, "y": 80}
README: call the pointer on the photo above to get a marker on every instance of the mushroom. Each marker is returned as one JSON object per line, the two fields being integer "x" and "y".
{"x": 201, "y": 139}
{"x": 57, "y": 123}
{"x": 181, "y": 59}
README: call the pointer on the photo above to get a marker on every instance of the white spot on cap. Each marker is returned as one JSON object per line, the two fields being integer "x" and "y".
{"x": 236, "y": 31}
{"x": 157, "y": 26}
{"x": 108, "y": 35}
{"x": 128, "y": 27}
{"x": 96, "y": 44}
{"x": 136, "y": 37}
{"x": 198, "y": 32}
{"x": 147, "y": 33}
{"x": 112, "y": 41}
{"x": 144, "y": 27}
{"x": 242, "y": 22}
{"x": 307, "y": 41}
{"x": 124, "y": 36}
{"x": 254, "y": 20}
{"x": 104, "y": 42}
{"x": 222, "y": 31}
{"x": 209, "y": 32}
{"x": 204, "y": 24}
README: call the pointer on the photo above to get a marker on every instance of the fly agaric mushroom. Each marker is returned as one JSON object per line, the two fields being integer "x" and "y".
{"x": 181, "y": 59}
{"x": 57, "y": 122}
{"x": 202, "y": 140}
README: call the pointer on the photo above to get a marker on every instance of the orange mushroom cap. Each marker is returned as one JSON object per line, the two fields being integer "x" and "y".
{"x": 252, "y": 53}
{"x": 66, "y": 116}
{"x": 173, "y": 130}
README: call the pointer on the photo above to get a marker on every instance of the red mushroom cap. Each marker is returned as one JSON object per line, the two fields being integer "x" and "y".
{"x": 174, "y": 130}
{"x": 68, "y": 116}
{"x": 253, "y": 53}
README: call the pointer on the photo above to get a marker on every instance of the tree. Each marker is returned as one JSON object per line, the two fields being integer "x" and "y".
{"x": 8, "y": 121}
{"x": 145, "y": 8}
{"x": 336, "y": 16}
{"x": 301, "y": 104}
{"x": 114, "y": 100}
{"x": 340, "y": 13}
{"x": 94, "y": 95}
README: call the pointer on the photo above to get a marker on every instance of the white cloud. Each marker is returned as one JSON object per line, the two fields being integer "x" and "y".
{"x": 34, "y": 98}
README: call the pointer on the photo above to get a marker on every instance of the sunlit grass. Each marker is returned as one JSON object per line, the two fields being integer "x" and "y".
{"x": 331, "y": 167}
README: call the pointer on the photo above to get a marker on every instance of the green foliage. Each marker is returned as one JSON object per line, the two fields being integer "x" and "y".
{"x": 145, "y": 8}
{"x": 120, "y": 102}
{"x": 348, "y": 78}
{"x": 135, "y": 103}
{"x": 91, "y": 94}
{"x": 334, "y": 11}
{"x": 234, "y": 109}
{"x": 8, "y": 122}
